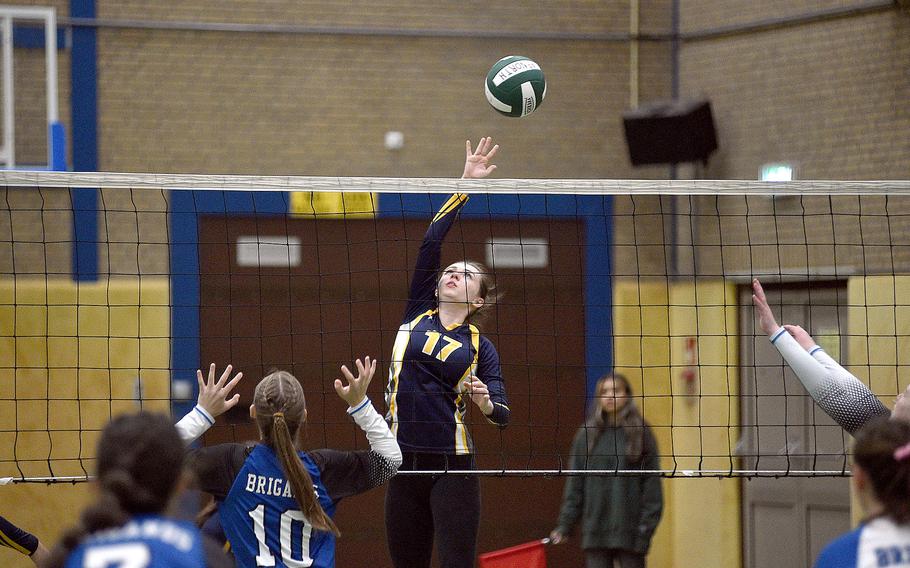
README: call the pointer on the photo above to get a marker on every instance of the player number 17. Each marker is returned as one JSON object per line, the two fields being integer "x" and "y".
{"x": 433, "y": 339}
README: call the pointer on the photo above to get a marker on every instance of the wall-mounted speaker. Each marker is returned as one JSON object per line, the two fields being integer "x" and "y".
{"x": 670, "y": 132}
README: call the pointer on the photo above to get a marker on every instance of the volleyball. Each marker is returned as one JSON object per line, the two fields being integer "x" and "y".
{"x": 515, "y": 86}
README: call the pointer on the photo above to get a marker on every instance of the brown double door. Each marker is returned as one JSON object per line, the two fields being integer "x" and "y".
{"x": 342, "y": 296}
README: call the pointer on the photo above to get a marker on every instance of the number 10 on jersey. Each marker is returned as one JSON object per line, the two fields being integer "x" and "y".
{"x": 265, "y": 557}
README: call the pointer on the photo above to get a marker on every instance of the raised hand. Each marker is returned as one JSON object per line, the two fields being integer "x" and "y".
{"x": 355, "y": 391}
{"x": 765, "y": 316}
{"x": 213, "y": 395}
{"x": 477, "y": 162}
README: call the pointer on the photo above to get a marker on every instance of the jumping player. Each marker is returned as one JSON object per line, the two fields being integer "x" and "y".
{"x": 277, "y": 502}
{"x": 439, "y": 360}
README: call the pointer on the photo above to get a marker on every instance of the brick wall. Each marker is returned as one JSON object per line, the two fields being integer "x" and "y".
{"x": 830, "y": 96}
{"x": 320, "y": 104}
{"x": 213, "y": 102}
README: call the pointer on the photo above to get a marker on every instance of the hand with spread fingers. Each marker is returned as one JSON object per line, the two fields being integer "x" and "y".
{"x": 356, "y": 389}
{"x": 477, "y": 162}
{"x": 213, "y": 395}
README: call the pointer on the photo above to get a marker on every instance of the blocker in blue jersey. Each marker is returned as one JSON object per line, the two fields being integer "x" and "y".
{"x": 277, "y": 502}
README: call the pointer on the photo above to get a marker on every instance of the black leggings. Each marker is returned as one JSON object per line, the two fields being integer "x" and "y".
{"x": 421, "y": 507}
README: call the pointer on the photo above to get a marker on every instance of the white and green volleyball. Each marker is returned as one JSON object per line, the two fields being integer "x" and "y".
{"x": 515, "y": 86}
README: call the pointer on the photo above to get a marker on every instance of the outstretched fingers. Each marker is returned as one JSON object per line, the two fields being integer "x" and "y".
{"x": 224, "y": 376}
{"x": 355, "y": 389}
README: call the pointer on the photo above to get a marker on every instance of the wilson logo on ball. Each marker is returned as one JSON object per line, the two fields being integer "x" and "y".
{"x": 515, "y": 86}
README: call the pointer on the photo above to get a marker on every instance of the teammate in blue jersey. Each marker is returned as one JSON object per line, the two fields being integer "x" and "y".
{"x": 139, "y": 471}
{"x": 881, "y": 480}
{"x": 439, "y": 361}
{"x": 277, "y": 503}
{"x": 22, "y": 542}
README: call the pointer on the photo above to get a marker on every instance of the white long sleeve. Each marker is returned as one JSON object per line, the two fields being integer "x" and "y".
{"x": 196, "y": 423}
{"x": 381, "y": 439}
{"x": 843, "y": 397}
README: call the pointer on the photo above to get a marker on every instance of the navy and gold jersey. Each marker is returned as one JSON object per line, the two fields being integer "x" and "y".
{"x": 16, "y": 538}
{"x": 426, "y": 395}
{"x": 150, "y": 541}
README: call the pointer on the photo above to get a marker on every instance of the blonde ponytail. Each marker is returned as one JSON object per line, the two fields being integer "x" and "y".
{"x": 280, "y": 409}
{"x": 298, "y": 476}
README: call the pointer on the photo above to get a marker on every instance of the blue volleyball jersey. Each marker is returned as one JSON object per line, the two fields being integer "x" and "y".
{"x": 425, "y": 395}
{"x": 146, "y": 541}
{"x": 263, "y": 521}
{"x": 877, "y": 544}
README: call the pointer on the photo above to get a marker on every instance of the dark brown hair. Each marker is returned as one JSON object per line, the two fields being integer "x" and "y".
{"x": 280, "y": 410}
{"x": 139, "y": 462}
{"x": 874, "y": 452}
{"x": 628, "y": 418}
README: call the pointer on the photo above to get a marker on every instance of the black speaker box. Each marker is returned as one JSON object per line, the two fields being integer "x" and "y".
{"x": 670, "y": 132}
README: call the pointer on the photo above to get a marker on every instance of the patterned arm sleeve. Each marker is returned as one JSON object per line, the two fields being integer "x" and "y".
{"x": 489, "y": 371}
{"x": 426, "y": 269}
{"x": 384, "y": 447}
{"x": 19, "y": 540}
{"x": 841, "y": 395}
{"x": 349, "y": 473}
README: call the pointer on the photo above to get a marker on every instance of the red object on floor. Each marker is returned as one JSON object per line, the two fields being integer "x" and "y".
{"x": 527, "y": 555}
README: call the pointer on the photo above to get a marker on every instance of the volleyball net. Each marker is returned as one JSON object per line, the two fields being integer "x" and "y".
{"x": 115, "y": 288}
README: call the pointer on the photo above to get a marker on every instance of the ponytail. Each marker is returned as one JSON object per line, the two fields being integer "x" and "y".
{"x": 280, "y": 409}
{"x": 298, "y": 476}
